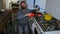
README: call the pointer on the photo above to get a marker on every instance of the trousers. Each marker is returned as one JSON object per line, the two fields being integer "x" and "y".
{"x": 23, "y": 29}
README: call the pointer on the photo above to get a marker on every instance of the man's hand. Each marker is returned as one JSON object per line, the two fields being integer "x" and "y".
{"x": 28, "y": 14}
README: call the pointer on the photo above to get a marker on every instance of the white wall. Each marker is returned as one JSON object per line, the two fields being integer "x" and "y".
{"x": 7, "y": 4}
{"x": 53, "y": 8}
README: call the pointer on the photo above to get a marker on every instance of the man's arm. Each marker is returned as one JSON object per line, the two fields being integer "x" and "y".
{"x": 22, "y": 16}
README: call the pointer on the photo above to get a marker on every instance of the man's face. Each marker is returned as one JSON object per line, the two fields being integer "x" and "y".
{"x": 23, "y": 5}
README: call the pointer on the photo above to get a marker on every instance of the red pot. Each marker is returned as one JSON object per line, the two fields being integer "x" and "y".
{"x": 38, "y": 14}
{"x": 31, "y": 15}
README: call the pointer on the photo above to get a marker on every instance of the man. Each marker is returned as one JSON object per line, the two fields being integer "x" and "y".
{"x": 23, "y": 19}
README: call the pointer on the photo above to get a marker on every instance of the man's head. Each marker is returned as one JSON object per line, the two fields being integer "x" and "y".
{"x": 23, "y": 5}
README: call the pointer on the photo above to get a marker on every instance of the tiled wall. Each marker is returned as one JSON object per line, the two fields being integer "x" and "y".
{"x": 30, "y": 4}
{"x": 53, "y": 8}
{"x": 40, "y": 3}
